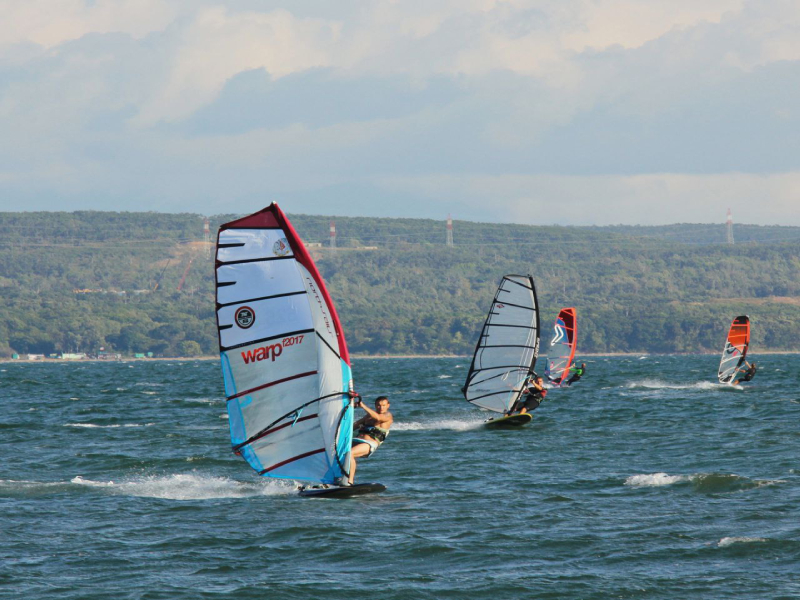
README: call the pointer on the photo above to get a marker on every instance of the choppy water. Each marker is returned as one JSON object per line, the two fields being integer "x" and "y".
{"x": 644, "y": 481}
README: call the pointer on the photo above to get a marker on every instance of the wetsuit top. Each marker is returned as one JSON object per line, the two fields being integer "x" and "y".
{"x": 373, "y": 431}
{"x": 748, "y": 375}
{"x": 578, "y": 371}
{"x": 534, "y": 393}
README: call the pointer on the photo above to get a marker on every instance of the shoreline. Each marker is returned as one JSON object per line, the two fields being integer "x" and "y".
{"x": 366, "y": 357}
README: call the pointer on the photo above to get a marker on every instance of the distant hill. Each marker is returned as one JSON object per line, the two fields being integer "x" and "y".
{"x": 85, "y": 280}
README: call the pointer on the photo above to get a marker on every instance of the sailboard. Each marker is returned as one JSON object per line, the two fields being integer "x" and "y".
{"x": 284, "y": 358}
{"x": 509, "y": 421}
{"x": 735, "y": 351}
{"x": 507, "y": 347}
{"x": 561, "y": 351}
{"x": 358, "y": 489}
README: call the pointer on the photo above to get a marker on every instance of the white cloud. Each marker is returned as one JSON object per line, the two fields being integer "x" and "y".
{"x": 151, "y": 102}
{"x": 52, "y": 22}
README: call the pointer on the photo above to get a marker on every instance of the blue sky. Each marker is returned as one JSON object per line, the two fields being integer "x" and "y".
{"x": 576, "y": 112}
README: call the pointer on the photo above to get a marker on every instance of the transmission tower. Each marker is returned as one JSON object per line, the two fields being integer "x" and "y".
{"x": 206, "y": 238}
{"x": 333, "y": 234}
{"x": 729, "y": 227}
{"x": 449, "y": 231}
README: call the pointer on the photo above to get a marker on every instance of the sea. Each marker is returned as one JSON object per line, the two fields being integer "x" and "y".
{"x": 645, "y": 480}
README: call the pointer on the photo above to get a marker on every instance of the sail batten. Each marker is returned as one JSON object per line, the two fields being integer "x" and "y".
{"x": 508, "y": 343}
{"x": 735, "y": 350}
{"x": 285, "y": 362}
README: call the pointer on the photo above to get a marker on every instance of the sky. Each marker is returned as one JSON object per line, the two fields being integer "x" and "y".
{"x": 571, "y": 112}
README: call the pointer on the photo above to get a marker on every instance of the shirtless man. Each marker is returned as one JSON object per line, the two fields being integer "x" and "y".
{"x": 370, "y": 431}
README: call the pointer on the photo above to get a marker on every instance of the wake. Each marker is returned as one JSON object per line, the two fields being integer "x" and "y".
{"x": 656, "y": 384}
{"x": 189, "y": 486}
{"x": 441, "y": 424}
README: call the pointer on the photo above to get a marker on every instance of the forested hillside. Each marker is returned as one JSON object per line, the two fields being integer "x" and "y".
{"x": 85, "y": 280}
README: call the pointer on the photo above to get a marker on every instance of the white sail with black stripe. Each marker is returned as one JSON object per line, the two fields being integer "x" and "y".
{"x": 507, "y": 348}
{"x": 284, "y": 358}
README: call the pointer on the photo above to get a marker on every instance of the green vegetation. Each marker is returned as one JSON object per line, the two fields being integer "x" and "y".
{"x": 637, "y": 289}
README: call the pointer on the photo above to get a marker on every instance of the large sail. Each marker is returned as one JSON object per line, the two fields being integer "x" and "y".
{"x": 735, "y": 350}
{"x": 561, "y": 351}
{"x": 284, "y": 358}
{"x": 507, "y": 348}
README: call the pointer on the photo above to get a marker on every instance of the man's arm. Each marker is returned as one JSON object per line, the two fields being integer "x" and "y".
{"x": 377, "y": 416}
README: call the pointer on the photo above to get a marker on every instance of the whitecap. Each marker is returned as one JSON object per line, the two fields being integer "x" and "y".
{"x": 655, "y": 480}
{"x": 656, "y": 384}
{"x": 729, "y": 541}
{"x": 444, "y": 376}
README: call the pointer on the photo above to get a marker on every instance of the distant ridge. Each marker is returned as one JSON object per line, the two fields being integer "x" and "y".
{"x": 80, "y": 281}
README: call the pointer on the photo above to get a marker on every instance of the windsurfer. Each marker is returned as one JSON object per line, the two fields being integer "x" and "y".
{"x": 370, "y": 431}
{"x": 578, "y": 372}
{"x": 749, "y": 373}
{"x": 531, "y": 397}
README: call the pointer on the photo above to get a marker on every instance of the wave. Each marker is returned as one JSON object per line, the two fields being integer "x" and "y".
{"x": 706, "y": 483}
{"x": 190, "y": 486}
{"x": 204, "y": 400}
{"x": 729, "y": 541}
{"x": 115, "y": 426}
{"x": 656, "y": 384}
{"x": 445, "y": 377}
{"x": 439, "y": 424}
{"x": 655, "y": 480}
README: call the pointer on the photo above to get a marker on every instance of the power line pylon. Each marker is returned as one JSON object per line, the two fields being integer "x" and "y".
{"x": 729, "y": 227}
{"x": 449, "y": 231}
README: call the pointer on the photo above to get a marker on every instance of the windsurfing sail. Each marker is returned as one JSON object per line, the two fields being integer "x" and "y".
{"x": 284, "y": 358}
{"x": 507, "y": 348}
{"x": 735, "y": 350}
{"x": 561, "y": 351}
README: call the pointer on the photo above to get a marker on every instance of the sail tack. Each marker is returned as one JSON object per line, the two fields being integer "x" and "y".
{"x": 561, "y": 351}
{"x": 284, "y": 358}
{"x": 507, "y": 347}
{"x": 736, "y": 345}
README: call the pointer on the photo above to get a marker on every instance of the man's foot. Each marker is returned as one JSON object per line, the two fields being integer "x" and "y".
{"x": 342, "y": 481}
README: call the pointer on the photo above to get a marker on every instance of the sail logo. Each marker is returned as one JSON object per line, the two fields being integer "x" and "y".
{"x": 559, "y": 335}
{"x": 498, "y": 305}
{"x": 245, "y": 317}
{"x": 281, "y": 247}
{"x": 313, "y": 288}
{"x": 271, "y": 351}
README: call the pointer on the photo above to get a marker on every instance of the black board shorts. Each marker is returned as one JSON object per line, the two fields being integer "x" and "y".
{"x": 530, "y": 404}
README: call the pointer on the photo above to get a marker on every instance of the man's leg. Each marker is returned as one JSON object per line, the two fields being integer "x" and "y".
{"x": 359, "y": 450}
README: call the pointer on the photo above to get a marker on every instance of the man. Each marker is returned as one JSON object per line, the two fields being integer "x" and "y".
{"x": 532, "y": 395}
{"x": 749, "y": 373}
{"x": 578, "y": 373}
{"x": 370, "y": 431}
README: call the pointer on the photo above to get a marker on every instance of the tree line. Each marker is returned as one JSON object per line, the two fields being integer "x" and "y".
{"x": 77, "y": 282}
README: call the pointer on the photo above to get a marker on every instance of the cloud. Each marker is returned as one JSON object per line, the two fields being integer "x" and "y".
{"x": 396, "y": 106}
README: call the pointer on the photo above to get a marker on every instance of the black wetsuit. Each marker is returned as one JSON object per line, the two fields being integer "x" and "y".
{"x": 529, "y": 401}
{"x": 750, "y": 373}
{"x": 578, "y": 374}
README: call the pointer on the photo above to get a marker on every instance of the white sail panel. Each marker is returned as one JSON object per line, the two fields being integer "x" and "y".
{"x": 507, "y": 348}
{"x": 258, "y": 280}
{"x": 284, "y": 358}
{"x": 250, "y": 244}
